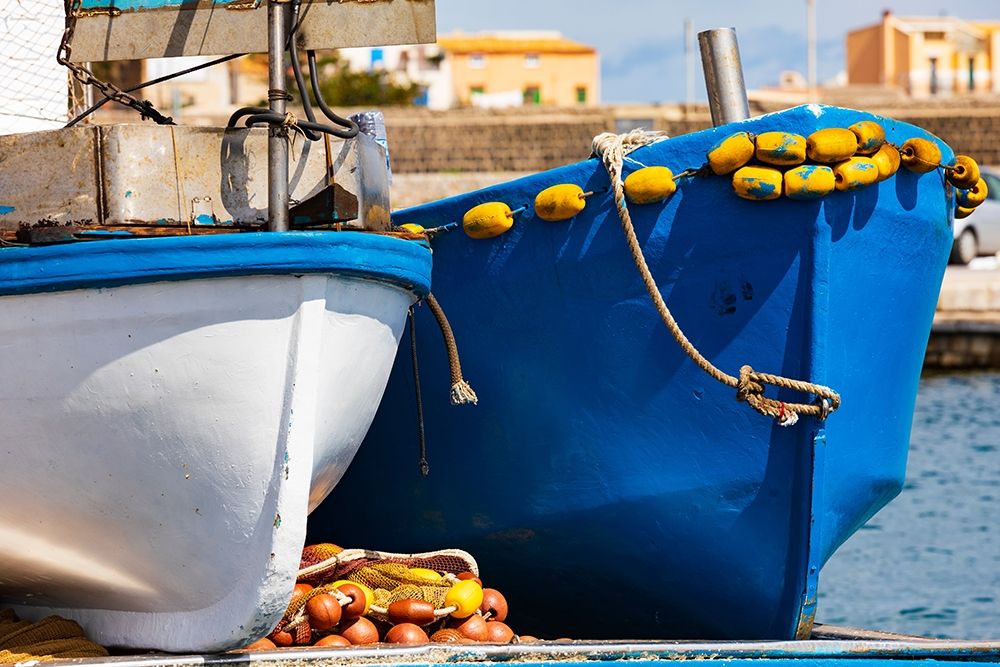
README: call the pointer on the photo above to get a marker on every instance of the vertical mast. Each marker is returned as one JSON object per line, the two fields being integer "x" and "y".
{"x": 811, "y": 51}
{"x": 720, "y": 58}
{"x": 277, "y": 144}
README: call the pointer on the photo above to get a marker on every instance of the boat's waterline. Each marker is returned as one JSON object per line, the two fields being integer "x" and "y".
{"x": 166, "y": 440}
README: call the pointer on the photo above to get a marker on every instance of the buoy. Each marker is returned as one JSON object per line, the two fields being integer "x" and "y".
{"x": 854, "y": 173}
{"x": 412, "y": 228}
{"x": 886, "y": 160}
{"x": 781, "y": 148}
{"x": 810, "y": 181}
{"x": 731, "y": 153}
{"x": 831, "y": 145}
{"x": 560, "y": 202}
{"x": 962, "y": 212}
{"x": 974, "y": 196}
{"x": 920, "y": 155}
{"x": 758, "y": 183}
{"x": 870, "y": 136}
{"x": 649, "y": 185}
{"x": 488, "y": 220}
{"x": 466, "y": 596}
{"x": 964, "y": 173}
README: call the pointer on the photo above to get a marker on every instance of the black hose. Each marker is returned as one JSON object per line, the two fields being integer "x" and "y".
{"x": 352, "y": 127}
{"x": 300, "y": 81}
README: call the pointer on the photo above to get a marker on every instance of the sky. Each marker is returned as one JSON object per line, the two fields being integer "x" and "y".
{"x": 641, "y": 42}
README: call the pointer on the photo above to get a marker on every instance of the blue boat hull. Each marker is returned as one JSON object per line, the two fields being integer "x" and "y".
{"x": 605, "y": 483}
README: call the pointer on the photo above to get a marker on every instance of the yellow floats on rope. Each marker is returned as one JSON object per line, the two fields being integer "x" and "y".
{"x": 758, "y": 183}
{"x": 920, "y": 155}
{"x": 412, "y": 228}
{"x": 488, "y": 220}
{"x": 783, "y": 149}
{"x": 649, "y": 185}
{"x": 809, "y": 181}
{"x": 964, "y": 173}
{"x": 974, "y": 196}
{"x": 731, "y": 153}
{"x": 886, "y": 160}
{"x": 870, "y": 136}
{"x": 831, "y": 145}
{"x": 854, "y": 173}
{"x": 560, "y": 202}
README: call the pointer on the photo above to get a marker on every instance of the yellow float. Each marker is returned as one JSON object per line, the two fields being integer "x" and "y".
{"x": 974, "y": 196}
{"x": 810, "y": 181}
{"x": 857, "y": 172}
{"x": 964, "y": 173}
{"x": 731, "y": 153}
{"x": 466, "y": 596}
{"x": 962, "y": 212}
{"x": 831, "y": 145}
{"x": 783, "y": 149}
{"x": 920, "y": 155}
{"x": 487, "y": 220}
{"x": 870, "y": 136}
{"x": 412, "y": 228}
{"x": 560, "y": 202}
{"x": 758, "y": 183}
{"x": 886, "y": 160}
{"x": 649, "y": 185}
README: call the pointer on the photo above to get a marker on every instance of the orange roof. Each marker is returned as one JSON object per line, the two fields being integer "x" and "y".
{"x": 500, "y": 44}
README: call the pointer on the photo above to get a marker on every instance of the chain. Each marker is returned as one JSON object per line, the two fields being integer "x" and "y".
{"x": 87, "y": 78}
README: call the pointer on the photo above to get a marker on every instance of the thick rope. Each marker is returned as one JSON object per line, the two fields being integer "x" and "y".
{"x": 461, "y": 391}
{"x": 612, "y": 149}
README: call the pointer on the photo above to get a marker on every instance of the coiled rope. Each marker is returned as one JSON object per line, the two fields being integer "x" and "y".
{"x": 611, "y": 149}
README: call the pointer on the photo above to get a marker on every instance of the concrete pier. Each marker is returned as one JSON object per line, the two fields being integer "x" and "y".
{"x": 966, "y": 332}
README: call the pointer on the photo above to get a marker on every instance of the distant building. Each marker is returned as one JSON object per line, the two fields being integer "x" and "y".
{"x": 926, "y": 56}
{"x": 499, "y": 69}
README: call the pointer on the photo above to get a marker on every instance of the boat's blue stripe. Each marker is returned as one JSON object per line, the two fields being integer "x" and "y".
{"x": 95, "y": 264}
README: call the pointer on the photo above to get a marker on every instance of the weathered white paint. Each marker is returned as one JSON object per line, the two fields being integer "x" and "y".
{"x": 163, "y": 444}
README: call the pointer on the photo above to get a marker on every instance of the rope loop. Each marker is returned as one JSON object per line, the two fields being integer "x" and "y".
{"x": 612, "y": 149}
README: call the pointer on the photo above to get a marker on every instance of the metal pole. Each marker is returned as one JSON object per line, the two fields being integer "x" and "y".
{"x": 811, "y": 52}
{"x": 277, "y": 142}
{"x": 689, "y": 64}
{"x": 720, "y": 58}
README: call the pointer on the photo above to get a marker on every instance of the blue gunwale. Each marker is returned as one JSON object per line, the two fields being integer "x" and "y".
{"x": 112, "y": 263}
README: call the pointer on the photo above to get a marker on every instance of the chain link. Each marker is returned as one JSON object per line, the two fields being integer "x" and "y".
{"x": 87, "y": 78}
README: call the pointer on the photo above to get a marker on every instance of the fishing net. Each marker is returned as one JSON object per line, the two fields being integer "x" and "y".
{"x": 388, "y": 576}
{"x": 36, "y": 88}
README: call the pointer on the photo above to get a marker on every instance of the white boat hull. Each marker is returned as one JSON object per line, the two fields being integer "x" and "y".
{"x": 164, "y": 443}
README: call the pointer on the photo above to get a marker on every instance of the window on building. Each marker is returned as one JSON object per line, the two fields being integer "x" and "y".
{"x": 934, "y": 35}
{"x": 972, "y": 74}
{"x": 532, "y": 61}
{"x": 476, "y": 90}
{"x": 477, "y": 61}
{"x": 532, "y": 95}
{"x": 934, "y": 76}
{"x": 581, "y": 94}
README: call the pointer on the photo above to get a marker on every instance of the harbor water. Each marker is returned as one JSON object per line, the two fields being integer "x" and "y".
{"x": 929, "y": 563}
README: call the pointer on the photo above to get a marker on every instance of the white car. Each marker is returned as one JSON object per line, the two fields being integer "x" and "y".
{"x": 979, "y": 233}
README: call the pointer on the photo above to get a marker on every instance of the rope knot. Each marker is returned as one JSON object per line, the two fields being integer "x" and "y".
{"x": 747, "y": 387}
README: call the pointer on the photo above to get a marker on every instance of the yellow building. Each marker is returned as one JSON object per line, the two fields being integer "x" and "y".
{"x": 926, "y": 56}
{"x": 509, "y": 68}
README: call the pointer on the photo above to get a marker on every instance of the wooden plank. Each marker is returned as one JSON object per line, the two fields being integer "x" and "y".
{"x": 138, "y": 29}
